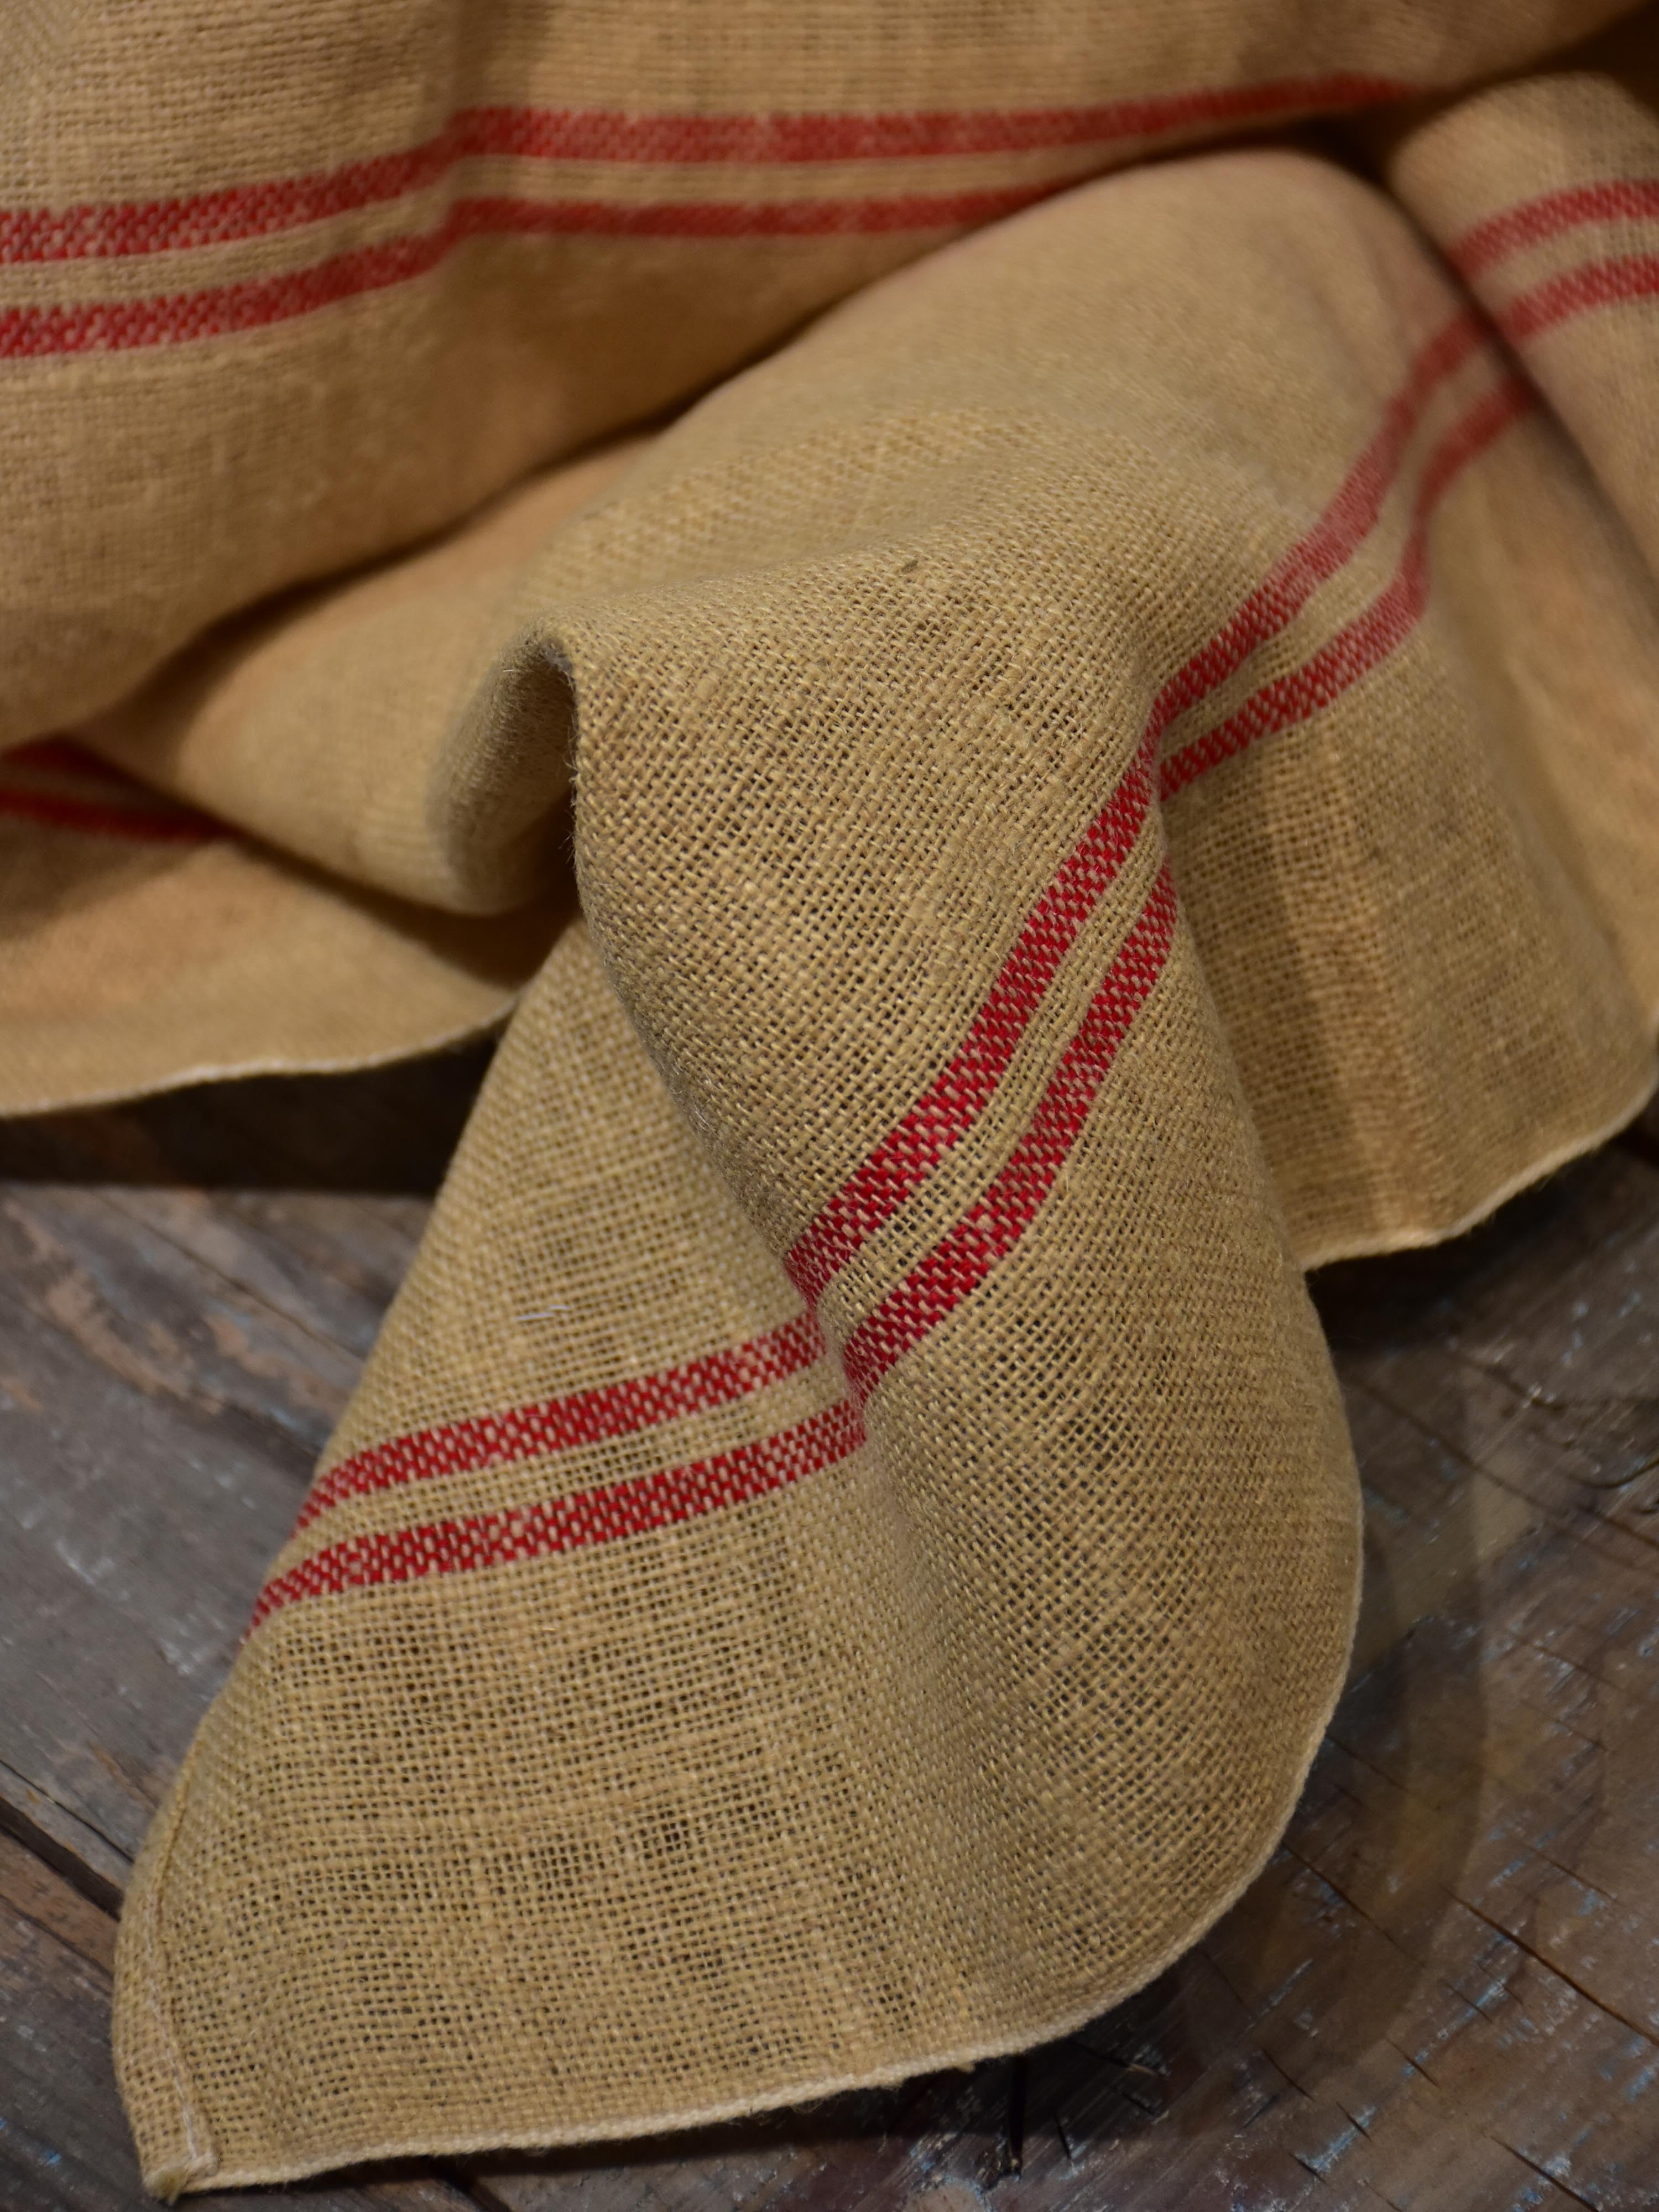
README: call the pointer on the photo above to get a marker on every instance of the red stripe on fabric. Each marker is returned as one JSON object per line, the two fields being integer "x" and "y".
{"x": 1512, "y": 230}
{"x": 872, "y": 214}
{"x": 90, "y": 818}
{"x": 556, "y": 1425}
{"x": 1373, "y": 635}
{"x": 608, "y": 1515}
{"x": 925, "y": 134}
{"x": 224, "y": 310}
{"x": 995, "y": 1222}
{"x": 993, "y": 1226}
{"x": 603, "y": 137}
{"x": 1335, "y": 537}
{"x": 1578, "y": 292}
{"x": 953, "y": 1102}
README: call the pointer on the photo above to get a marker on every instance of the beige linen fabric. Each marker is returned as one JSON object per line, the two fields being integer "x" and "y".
{"x": 346, "y": 724}
{"x": 1123, "y": 763}
{"x": 869, "y": 1772}
{"x": 288, "y": 287}
{"x": 1543, "y": 192}
{"x": 143, "y": 945}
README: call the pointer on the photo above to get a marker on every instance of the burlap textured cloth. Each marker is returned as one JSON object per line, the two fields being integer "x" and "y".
{"x": 1120, "y": 763}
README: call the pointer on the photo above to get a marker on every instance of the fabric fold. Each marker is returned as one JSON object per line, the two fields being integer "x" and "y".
{"x": 144, "y": 944}
{"x": 639, "y": 1730}
{"x": 352, "y": 725}
{"x": 285, "y": 293}
{"x": 1542, "y": 191}
{"x": 1088, "y": 801}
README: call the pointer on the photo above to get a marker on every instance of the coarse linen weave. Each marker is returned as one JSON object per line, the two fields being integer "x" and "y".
{"x": 1032, "y": 753}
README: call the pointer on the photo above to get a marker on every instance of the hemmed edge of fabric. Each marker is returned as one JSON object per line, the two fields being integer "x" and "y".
{"x": 1527, "y": 1178}
{"x": 190, "y": 2160}
{"x": 358, "y": 1063}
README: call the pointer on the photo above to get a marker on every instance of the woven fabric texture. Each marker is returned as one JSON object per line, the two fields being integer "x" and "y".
{"x": 1118, "y": 764}
{"x": 288, "y": 286}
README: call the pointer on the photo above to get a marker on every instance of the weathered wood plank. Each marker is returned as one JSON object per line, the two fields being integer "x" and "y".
{"x": 145, "y": 1479}
{"x": 326, "y": 1261}
{"x": 389, "y": 1131}
{"x": 170, "y": 1361}
{"x": 60, "y": 1840}
{"x": 1527, "y": 1351}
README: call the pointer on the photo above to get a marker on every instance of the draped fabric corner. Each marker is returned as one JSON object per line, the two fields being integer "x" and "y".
{"x": 1111, "y": 756}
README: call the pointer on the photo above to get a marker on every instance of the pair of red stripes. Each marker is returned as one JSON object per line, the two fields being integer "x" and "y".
{"x": 269, "y": 207}
{"x": 951, "y": 1105}
{"x": 125, "y": 809}
{"x": 222, "y": 310}
{"x": 1557, "y": 299}
{"x": 238, "y": 212}
{"x": 605, "y": 1515}
{"x": 609, "y": 138}
{"x": 1611, "y": 282}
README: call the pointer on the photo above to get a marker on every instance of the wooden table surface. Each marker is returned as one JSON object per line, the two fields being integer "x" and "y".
{"x": 1443, "y": 1992}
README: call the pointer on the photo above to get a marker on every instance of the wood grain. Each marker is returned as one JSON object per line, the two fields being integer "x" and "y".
{"x": 171, "y": 1359}
{"x": 1443, "y": 1994}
